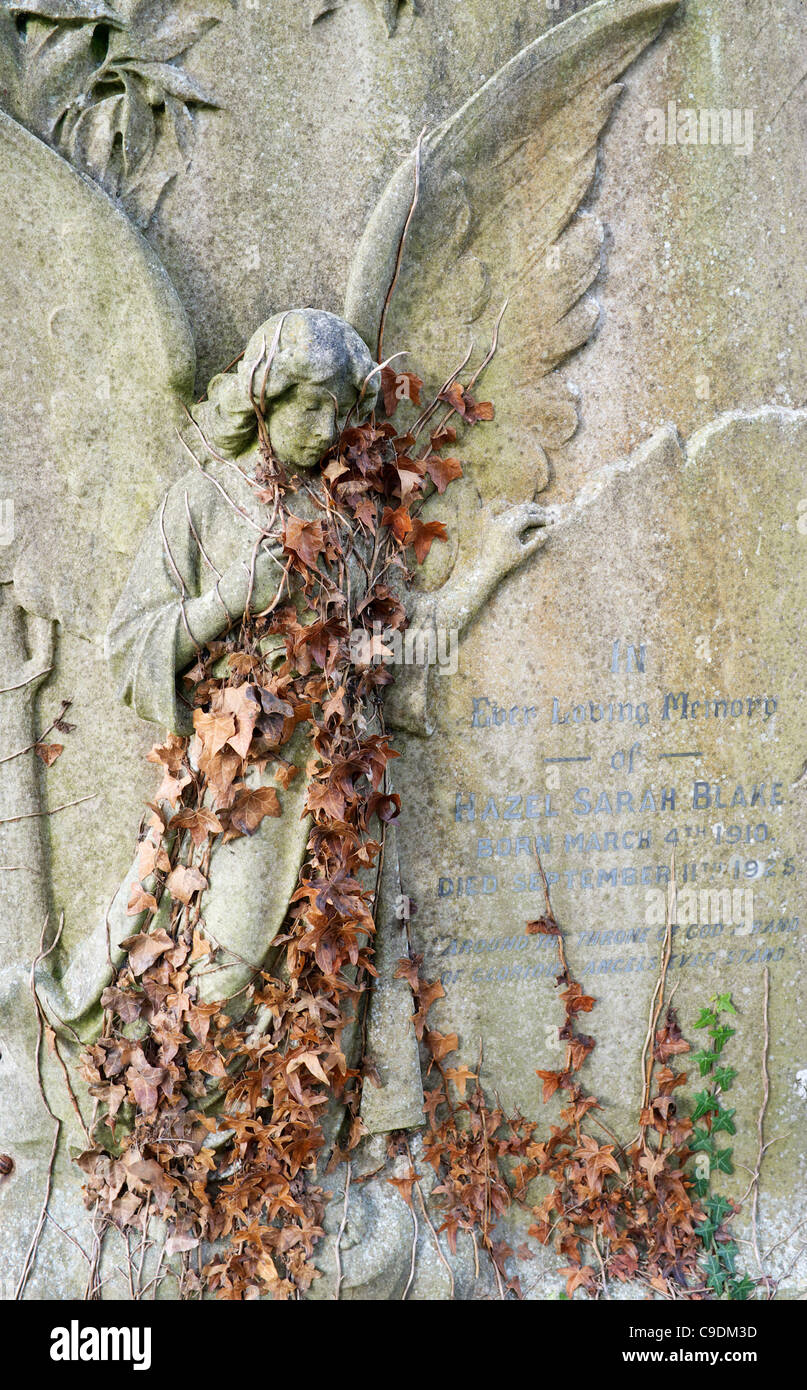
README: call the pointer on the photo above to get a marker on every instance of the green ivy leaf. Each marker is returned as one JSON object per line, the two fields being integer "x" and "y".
{"x": 723, "y": 1077}
{"x": 718, "y": 1208}
{"x": 705, "y": 1104}
{"x": 702, "y": 1142}
{"x": 727, "y": 1258}
{"x": 722, "y": 1161}
{"x": 716, "y": 1276}
{"x": 742, "y": 1289}
{"x": 705, "y": 1061}
{"x": 706, "y": 1020}
{"x": 725, "y": 1122}
{"x": 723, "y": 1004}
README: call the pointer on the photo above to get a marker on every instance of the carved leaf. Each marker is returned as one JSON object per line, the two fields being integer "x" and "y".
{"x": 160, "y": 30}
{"x": 500, "y": 183}
{"x": 138, "y": 125}
{"x": 93, "y": 135}
{"x": 10, "y": 61}
{"x": 94, "y": 84}
{"x": 72, "y": 11}
{"x": 159, "y": 43}
{"x": 165, "y": 78}
{"x": 57, "y": 67}
{"x": 184, "y": 132}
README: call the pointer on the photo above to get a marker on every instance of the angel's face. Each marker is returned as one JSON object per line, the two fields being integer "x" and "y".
{"x": 305, "y": 420}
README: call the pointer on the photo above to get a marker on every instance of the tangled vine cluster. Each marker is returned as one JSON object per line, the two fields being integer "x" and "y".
{"x": 223, "y": 1115}
{"x": 217, "y": 1114}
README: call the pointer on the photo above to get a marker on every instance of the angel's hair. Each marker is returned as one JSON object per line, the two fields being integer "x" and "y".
{"x": 302, "y": 345}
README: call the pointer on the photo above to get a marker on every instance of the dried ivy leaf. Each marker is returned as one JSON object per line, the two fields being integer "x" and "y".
{"x": 250, "y": 807}
{"x": 304, "y": 539}
{"x": 443, "y": 471}
{"x": 141, "y": 901}
{"x": 424, "y": 533}
{"x": 48, "y": 752}
{"x": 145, "y": 948}
{"x": 183, "y": 883}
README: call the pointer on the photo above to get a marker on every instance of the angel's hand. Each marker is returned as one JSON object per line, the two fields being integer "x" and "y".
{"x": 498, "y": 545}
{"x": 254, "y": 581}
{"x": 512, "y": 537}
{"x": 527, "y": 524}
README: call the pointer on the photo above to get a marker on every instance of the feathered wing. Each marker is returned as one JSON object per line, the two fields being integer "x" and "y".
{"x": 507, "y": 172}
{"x": 500, "y": 183}
{"x": 96, "y": 361}
{"x": 95, "y": 358}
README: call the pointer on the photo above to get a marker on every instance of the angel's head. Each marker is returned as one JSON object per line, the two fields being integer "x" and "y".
{"x": 305, "y": 371}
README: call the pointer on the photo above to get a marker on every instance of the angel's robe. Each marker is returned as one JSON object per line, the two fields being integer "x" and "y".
{"x": 211, "y": 519}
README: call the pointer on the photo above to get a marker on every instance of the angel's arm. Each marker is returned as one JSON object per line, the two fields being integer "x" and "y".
{"x": 175, "y": 600}
{"x": 493, "y": 546}
{"x": 213, "y": 611}
{"x": 496, "y": 546}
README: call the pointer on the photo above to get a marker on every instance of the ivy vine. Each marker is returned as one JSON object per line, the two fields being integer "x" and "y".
{"x": 719, "y": 1246}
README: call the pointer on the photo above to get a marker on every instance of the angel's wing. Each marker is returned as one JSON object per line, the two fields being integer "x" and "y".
{"x": 499, "y": 183}
{"x": 96, "y": 359}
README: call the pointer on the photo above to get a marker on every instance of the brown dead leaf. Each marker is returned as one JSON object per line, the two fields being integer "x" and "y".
{"x": 443, "y": 471}
{"x": 48, "y": 752}
{"x": 214, "y": 730}
{"x": 184, "y": 882}
{"x": 145, "y": 948}
{"x": 141, "y": 901}
{"x": 423, "y": 534}
{"x": 251, "y": 805}
{"x": 304, "y": 539}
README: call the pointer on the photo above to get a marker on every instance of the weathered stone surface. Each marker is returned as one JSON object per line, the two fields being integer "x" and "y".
{"x": 91, "y": 391}
{"x": 98, "y": 356}
{"x": 692, "y": 555}
{"x": 690, "y": 551}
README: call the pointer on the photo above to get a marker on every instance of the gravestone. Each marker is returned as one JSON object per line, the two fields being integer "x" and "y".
{"x": 621, "y": 708}
{"x": 635, "y": 696}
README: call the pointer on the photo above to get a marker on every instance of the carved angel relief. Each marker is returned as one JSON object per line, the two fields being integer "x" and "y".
{"x": 432, "y": 275}
{"x": 107, "y": 88}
